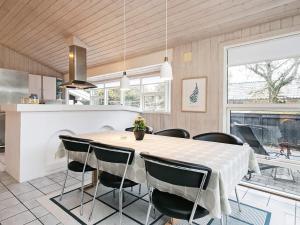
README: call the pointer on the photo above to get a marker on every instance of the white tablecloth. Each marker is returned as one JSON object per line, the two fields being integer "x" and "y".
{"x": 229, "y": 163}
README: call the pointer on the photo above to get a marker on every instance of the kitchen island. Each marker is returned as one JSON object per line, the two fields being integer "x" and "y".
{"x": 31, "y": 133}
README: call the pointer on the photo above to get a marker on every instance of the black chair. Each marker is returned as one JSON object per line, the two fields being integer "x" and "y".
{"x": 74, "y": 144}
{"x": 179, "y": 133}
{"x": 112, "y": 154}
{"x": 250, "y": 138}
{"x": 195, "y": 176}
{"x": 221, "y": 138}
{"x": 149, "y": 130}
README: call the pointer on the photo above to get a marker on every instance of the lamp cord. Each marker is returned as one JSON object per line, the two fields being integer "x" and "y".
{"x": 166, "y": 28}
{"x": 124, "y": 35}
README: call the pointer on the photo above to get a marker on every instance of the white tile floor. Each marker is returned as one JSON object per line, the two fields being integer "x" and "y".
{"x": 19, "y": 205}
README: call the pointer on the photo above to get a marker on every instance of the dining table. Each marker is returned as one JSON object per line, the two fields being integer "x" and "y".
{"x": 229, "y": 164}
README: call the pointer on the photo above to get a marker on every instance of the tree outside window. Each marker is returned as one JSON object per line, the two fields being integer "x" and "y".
{"x": 274, "y": 82}
{"x": 114, "y": 96}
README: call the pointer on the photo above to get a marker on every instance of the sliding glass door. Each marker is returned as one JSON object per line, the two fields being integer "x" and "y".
{"x": 263, "y": 108}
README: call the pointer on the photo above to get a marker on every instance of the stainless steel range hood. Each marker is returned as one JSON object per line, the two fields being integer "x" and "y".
{"x": 77, "y": 69}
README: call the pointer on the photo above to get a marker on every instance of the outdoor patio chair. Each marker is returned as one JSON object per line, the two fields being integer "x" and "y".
{"x": 249, "y": 137}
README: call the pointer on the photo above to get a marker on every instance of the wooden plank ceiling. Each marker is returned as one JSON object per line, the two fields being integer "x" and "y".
{"x": 38, "y": 28}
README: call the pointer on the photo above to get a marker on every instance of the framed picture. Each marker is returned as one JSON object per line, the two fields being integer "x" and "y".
{"x": 194, "y": 94}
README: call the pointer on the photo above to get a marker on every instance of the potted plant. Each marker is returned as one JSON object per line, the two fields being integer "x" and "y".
{"x": 139, "y": 128}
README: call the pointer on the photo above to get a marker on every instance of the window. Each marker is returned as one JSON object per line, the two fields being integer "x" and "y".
{"x": 263, "y": 108}
{"x": 154, "y": 94}
{"x": 113, "y": 93}
{"x": 133, "y": 95}
{"x": 149, "y": 94}
{"x": 269, "y": 81}
{"x": 97, "y": 95}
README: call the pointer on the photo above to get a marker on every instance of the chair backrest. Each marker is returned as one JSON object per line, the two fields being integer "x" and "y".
{"x": 75, "y": 144}
{"x": 112, "y": 154}
{"x": 219, "y": 137}
{"x": 149, "y": 130}
{"x": 179, "y": 133}
{"x": 249, "y": 137}
{"x": 177, "y": 172}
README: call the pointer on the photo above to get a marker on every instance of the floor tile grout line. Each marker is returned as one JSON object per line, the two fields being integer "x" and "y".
{"x": 37, "y": 206}
{"x": 59, "y": 183}
{"x": 37, "y": 189}
{"x": 22, "y": 192}
{"x": 65, "y": 209}
{"x": 143, "y": 200}
{"x": 130, "y": 203}
{"x": 56, "y": 182}
{"x": 46, "y": 185}
{"x": 15, "y": 214}
{"x": 23, "y": 205}
{"x": 98, "y": 198}
{"x": 105, "y": 218}
{"x": 244, "y": 194}
{"x": 110, "y": 206}
{"x": 20, "y": 203}
{"x": 40, "y": 187}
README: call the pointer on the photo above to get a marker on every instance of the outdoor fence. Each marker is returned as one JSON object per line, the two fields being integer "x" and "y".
{"x": 271, "y": 129}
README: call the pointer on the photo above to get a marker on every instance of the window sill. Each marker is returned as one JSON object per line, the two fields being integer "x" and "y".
{"x": 153, "y": 112}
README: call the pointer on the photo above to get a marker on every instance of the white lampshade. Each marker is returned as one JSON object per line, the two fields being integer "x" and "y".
{"x": 124, "y": 82}
{"x": 166, "y": 71}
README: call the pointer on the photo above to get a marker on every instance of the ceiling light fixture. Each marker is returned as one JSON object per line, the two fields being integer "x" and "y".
{"x": 166, "y": 68}
{"x": 124, "y": 79}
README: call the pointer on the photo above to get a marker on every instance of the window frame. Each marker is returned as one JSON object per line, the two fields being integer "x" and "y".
{"x": 227, "y": 107}
{"x": 167, "y": 93}
{"x": 167, "y": 97}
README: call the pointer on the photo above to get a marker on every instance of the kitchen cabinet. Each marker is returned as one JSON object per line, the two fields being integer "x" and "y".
{"x": 35, "y": 84}
{"x": 47, "y": 88}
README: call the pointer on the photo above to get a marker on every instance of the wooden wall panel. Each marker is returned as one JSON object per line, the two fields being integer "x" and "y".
{"x": 11, "y": 59}
{"x": 207, "y": 60}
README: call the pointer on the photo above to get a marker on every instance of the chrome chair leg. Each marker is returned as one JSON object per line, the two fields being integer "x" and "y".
{"x": 154, "y": 213}
{"x": 292, "y": 175}
{"x": 63, "y": 188}
{"x": 81, "y": 200}
{"x": 275, "y": 174}
{"x": 223, "y": 220}
{"x": 131, "y": 189}
{"x": 93, "y": 204}
{"x": 140, "y": 189}
{"x": 148, "y": 213}
{"x": 114, "y": 193}
{"x": 120, "y": 205}
{"x": 238, "y": 199}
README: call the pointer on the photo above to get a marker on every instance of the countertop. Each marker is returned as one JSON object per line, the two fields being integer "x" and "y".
{"x": 63, "y": 108}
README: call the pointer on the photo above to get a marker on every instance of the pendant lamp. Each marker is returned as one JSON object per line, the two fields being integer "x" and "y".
{"x": 166, "y": 72}
{"x": 124, "y": 79}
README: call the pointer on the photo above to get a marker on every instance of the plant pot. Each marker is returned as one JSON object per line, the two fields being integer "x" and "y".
{"x": 139, "y": 135}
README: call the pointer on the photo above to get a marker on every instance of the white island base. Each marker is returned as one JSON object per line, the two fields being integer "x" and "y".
{"x": 31, "y": 133}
